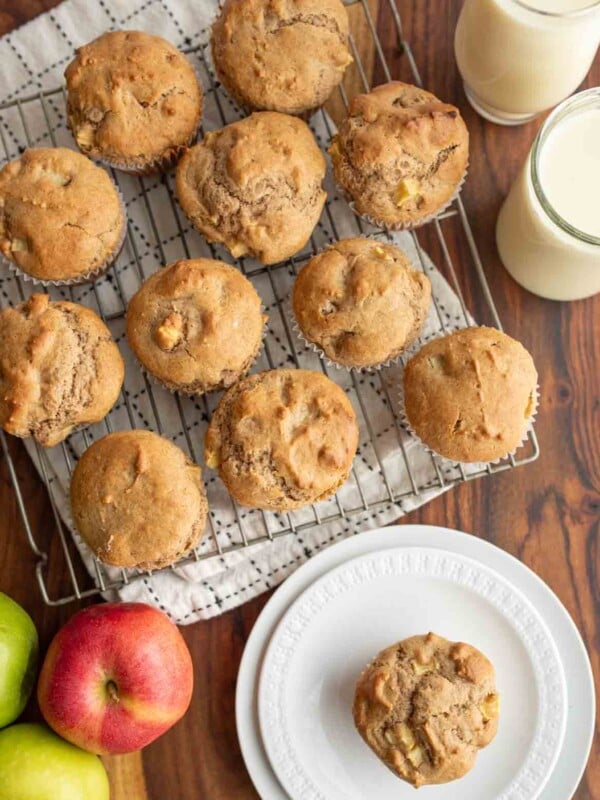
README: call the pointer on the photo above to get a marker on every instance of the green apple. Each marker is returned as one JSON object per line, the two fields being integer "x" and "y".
{"x": 18, "y": 659}
{"x": 36, "y": 764}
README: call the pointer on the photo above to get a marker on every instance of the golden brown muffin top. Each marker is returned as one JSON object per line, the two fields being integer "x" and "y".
{"x": 426, "y": 706}
{"x": 470, "y": 395}
{"x": 255, "y": 186}
{"x": 281, "y": 55}
{"x": 60, "y": 215}
{"x": 137, "y": 500}
{"x": 282, "y": 439}
{"x": 400, "y": 153}
{"x": 361, "y": 302}
{"x": 133, "y": 98}
{"x": 59, "y": 368}
{"x": 196, "y": 325}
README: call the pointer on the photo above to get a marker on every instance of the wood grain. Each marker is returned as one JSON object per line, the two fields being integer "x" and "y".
{"x": 547, "y": 513}
{"x": 16, "y": 12}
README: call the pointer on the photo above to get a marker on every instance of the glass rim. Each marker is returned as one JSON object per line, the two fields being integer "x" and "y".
{"x": 569, "y": 106}
{"x": 576, "y": 12}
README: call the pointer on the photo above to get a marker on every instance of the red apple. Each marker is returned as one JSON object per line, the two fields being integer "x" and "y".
{"x": 115, "y": 677}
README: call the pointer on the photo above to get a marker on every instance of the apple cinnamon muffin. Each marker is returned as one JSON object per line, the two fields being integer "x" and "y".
{"x": 137, "y": 500}
{"x": 133, "y": 101}
{"x": 61, "y": 217}
{"x": 282, "y": 439}
{"x": 255, "y": 186}
{"x": 196, "y": 325}
{"x": 281, "y": 56}
{"x": 471, "y": 395}
{"x": 361, "y": 302}
{"x": 59, "y": 369}
{"x": 426, "y": 706}
{"x": 401, "y": 154}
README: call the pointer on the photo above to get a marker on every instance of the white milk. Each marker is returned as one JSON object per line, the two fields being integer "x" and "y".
{"x": 520, "y": 57}
{"x": 570, "y": 170}
{"x": 548, "y": 230}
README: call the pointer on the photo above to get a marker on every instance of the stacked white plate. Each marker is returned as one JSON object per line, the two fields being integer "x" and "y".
{"x": 327, "y": 621}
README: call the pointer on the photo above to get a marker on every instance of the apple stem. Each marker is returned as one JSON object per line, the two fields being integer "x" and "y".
{"x": 113, "y": 691}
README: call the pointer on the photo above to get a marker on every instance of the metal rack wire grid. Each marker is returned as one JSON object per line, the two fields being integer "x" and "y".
{"x": 155, "y": 239}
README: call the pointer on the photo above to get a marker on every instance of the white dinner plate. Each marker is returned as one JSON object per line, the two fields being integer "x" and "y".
{"x": 336, "y": 626}
{"x": 581, "y": 703}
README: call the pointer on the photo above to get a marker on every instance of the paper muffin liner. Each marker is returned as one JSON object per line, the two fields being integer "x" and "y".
{"x": 404, "y": 226}
{"x": 246, "y": 110}
{"x": 527, "y": 427}
{"x": 86, "y": 277}
{"x": 80, "y": 426}
{"x": 156, "y": 381}
{"x": 153, "y": 166}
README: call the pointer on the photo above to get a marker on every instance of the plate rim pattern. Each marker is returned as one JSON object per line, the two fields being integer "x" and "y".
{"x": 431, "y": 562}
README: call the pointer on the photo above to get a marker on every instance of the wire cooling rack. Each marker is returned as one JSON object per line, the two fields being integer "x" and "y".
{"x": 449, "y": 231}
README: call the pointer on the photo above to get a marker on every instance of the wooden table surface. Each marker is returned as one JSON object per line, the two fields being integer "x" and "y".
{"x": 547, "y": 513}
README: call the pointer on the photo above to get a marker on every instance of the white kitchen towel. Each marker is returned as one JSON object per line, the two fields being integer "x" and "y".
{"x": 32, "y": 59}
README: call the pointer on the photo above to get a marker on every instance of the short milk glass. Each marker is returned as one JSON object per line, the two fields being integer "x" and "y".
{"x": 518, "y": 58}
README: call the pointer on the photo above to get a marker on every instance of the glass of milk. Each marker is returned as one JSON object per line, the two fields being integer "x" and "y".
{"x": 520, "y": 57}
{"x": 548, "y": 230}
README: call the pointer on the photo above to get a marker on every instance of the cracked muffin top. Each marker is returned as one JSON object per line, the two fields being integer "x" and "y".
{"x": 281, "y": 55}
{"x": 426, "y": 706}
{"x": 196, "y": 325}
{"x": 59, "y": 368}
{"x": 61, "y": 217}
{"x": 137, "y": 500}
{"x": 282, "y": 439}
{"x": 255, "y": 186}
{"x": 133, "y": 101}
{"x": 470, "y": 395}
{"x": 361, "y": 302}
{"x": 401, "y": 154}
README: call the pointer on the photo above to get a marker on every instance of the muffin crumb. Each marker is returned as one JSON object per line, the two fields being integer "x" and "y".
{"x": 401, "y": 154}
{"x": 196, "y": 325}
{"x": 59, "y": 369}
{"x": 347, "y": 295}
{"x": 423, "y": 716}
{"x": 137, "y": 500}
{"x": 286, "y": 56}
{"x": 61, "y": 217}
{"x": 133, "y": 101}
{"x": 255, "y": 186}
{"x": 469, "y": 395}
{"x": 282, "y": 439}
